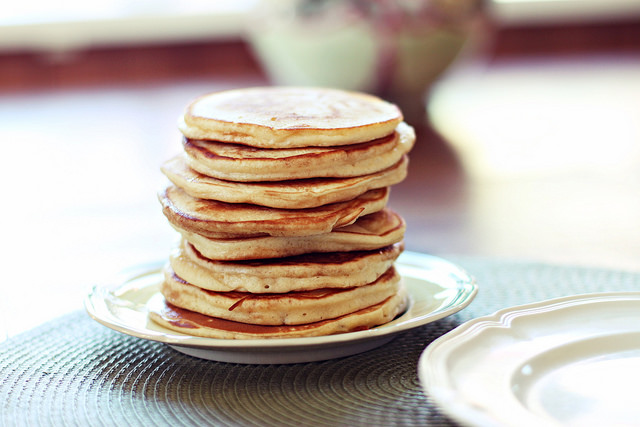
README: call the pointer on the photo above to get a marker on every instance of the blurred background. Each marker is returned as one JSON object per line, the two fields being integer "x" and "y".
{"x": 527, "y": 113}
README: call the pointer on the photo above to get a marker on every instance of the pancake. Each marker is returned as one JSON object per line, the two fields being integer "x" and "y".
{"x": 294, "y": 194}
{"x": 286, "y": 117}
{"x": 215, "y": 219}
{"x": 280, "y": 197}
{"x": 278, "y": 275}
{"x": 370, "y": 232}
{"x": 236, "y": 162}
{"x": 290, "y": 308}
{"x": 196, "y": 324}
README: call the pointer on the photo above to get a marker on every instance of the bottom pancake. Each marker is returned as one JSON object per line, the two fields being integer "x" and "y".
{"x": 192, "y": 323}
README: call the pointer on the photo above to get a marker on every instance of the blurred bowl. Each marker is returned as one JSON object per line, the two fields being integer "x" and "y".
{"x": 395, "y": 49}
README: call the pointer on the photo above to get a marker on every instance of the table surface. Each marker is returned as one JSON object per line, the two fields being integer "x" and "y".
{"x": 74, "y": 371}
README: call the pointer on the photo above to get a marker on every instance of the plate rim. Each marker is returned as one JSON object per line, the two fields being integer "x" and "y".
{"x": 467, "y": 289}
{"x": 437, "y": 383}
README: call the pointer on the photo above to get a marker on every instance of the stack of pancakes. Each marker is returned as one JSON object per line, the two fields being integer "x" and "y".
{"x": 280, "y": 197}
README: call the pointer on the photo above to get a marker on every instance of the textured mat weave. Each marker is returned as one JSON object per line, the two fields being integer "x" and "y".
{"x": 73, "y": 371}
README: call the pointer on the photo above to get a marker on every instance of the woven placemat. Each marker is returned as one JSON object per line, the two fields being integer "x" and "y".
{"x": 73, "y": 371}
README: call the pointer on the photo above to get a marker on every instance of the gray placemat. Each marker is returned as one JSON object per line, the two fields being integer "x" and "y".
{"x": 73, "y": 371}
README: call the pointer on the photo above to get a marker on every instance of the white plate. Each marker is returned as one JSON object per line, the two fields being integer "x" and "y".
{"x": 436, "y": 287}
{"x": 567, "y": 361}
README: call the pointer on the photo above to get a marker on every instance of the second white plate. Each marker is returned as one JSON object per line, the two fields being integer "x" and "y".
{"x": 567, "y": 361}
{"x": 437, "y": 289}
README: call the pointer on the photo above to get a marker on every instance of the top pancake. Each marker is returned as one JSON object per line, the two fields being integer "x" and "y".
{"x": 192, "y": 323}
{"x": 287, "y": 117}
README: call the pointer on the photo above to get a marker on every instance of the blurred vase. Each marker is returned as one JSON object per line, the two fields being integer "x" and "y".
{"x": 392, "y": 48}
